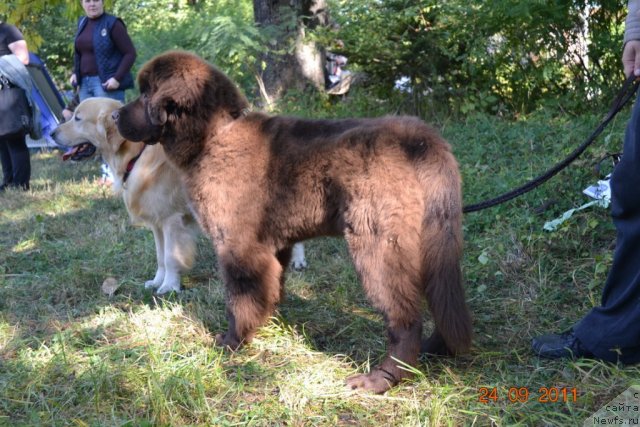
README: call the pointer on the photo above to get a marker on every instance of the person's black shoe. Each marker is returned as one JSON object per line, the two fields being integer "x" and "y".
{"x": 555, "y": 346}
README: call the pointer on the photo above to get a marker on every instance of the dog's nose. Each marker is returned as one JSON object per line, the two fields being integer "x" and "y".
{"x": 115, "y": 115}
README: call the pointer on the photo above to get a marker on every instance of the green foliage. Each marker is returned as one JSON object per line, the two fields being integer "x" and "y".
{"x": 495, "y": 56}
{"x": 486, "y": 55}
{"x": 32, "y": 16}
{"x": 220, "y": 31}
{"x": 48, "y": 28}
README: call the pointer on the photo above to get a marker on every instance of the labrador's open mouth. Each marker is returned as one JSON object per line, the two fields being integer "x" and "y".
{"x": 80, "y": 152}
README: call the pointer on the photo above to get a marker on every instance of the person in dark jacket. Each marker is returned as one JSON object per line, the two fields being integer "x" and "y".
{"x": 104, "y": 54}
{"x": 14, "y": 153}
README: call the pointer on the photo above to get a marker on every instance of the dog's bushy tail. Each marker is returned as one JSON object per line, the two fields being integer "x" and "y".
{"x": 442, "y": 249}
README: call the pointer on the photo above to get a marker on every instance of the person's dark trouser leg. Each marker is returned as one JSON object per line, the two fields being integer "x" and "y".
{"x": 21, "y": 160}
{"x": 612, "y": 330}
{"x": 5, "y": 159}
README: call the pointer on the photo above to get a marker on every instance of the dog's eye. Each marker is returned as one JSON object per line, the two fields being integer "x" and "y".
{"x": 76, "y": 118}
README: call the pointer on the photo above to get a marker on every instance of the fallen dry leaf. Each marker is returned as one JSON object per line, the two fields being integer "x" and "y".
{"x": 110, "y": 286}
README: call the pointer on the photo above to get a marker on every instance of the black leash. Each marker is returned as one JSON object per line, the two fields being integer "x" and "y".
{"x": 627, "y": 91}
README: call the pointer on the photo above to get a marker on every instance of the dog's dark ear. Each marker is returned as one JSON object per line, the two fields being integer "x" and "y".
{"x": 157, "y": 112}
{"x": 158, "y": 116}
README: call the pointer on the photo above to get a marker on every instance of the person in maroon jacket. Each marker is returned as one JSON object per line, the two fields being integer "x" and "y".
{"x": 104, "y": 54}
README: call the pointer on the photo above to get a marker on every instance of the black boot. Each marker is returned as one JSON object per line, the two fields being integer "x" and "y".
{"x": 555, "y": 346}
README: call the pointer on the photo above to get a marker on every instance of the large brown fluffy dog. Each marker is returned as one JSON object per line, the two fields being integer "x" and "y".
{"x": 259, "y": 184}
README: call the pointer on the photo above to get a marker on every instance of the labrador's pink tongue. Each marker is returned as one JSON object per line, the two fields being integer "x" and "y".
{"x": 70, "y": 152}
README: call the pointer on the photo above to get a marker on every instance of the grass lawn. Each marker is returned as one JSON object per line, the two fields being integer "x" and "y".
{"x": 71, "y": 355}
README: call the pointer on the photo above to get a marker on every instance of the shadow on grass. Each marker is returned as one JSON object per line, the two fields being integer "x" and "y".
{"x": 55, "y": 263}
{"x": 68, "y": 235}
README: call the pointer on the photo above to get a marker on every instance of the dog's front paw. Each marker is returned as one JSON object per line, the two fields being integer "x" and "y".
{"x": 376, "y": 381}
{"x": 157, "y": 280}
{"x": 168, "y": 287}
{"x": 228, "y": 341}
{"x": 151, "y": 284}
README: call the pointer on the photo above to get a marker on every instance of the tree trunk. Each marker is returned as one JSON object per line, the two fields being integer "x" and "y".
{"x": 290, "y": 60}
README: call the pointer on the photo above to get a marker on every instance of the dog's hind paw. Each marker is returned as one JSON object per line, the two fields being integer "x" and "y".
{"x": 435, "y": 346}
{"x": 298, "y": 261}
{"x": 299, "y": 264}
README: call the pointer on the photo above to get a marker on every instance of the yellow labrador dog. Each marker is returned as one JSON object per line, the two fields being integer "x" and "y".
{"x": 150, "y": 187}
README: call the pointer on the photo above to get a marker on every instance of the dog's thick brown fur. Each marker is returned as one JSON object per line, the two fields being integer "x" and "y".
{"x": 153, "y": 192}
{"x": 260, "y": 183}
